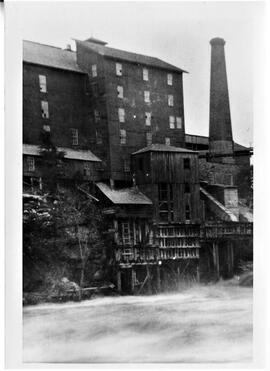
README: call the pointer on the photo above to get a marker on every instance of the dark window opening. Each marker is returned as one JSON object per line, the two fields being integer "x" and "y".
{"x": 187, "y": 188}
{"x": 186, "y": 163}
{"x": 140, "y": 164}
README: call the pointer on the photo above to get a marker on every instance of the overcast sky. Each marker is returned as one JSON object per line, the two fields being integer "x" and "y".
{"x": 177, "y": 32}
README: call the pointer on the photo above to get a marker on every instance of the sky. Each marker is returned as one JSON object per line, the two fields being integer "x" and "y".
{"x": 177, "y": 32}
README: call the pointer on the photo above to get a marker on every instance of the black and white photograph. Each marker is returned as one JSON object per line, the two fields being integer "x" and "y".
{"x": 134, "y": 133}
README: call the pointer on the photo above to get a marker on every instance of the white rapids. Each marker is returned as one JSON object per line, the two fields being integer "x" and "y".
{"x": 201, "y": 324}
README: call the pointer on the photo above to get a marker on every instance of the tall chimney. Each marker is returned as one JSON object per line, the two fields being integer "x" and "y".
{"x": 220, "y": 130}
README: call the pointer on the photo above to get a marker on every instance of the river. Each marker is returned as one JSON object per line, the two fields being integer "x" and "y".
{"x": 201, "y": 324}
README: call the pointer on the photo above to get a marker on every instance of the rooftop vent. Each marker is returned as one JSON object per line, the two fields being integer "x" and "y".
{"x": 96, "y": 41}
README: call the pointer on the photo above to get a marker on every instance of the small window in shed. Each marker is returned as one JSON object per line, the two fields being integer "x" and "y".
{"x": 31, "y": 163}
{"x": 186, "y": 163}
{"x": 42, "y": 84}
{"x": 94, "y": 70}
{"x": 120, "y": 91}
{"x": 140, "y": 164}
{"x": 169, "y": 79}
{"x": 148, "y": 118}
{"x": 118, "y": 67}
{"x": 74, "y": 137}
{"x": 123, "y": 136}
{"x": 167, "y": 141}
{"x": 179, "y": 122}
{"x": 121, "y": 114}
{"x": 96, "y": 116}
{"x": 147, "y": 96}
{"x": 45, "y": 109}
{"x": 172, "y": 122}
{"x": 145, "y": 74}
{"x": 170, "y": 100}
{"x": 86, "y": 169}
{"x": 148, "y": 139}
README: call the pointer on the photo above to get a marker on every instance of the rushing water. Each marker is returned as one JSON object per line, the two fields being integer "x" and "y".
{"x": 200, "y": 324}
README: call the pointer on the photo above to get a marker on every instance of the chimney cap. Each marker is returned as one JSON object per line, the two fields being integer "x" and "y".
{"x": 217, "y": 41}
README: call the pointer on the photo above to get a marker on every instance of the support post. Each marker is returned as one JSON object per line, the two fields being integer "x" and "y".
{"x": 158, "y": 279}
{"x": 230, "y": 258}
{"x": 198, "y": 271}
{"x": 119, "y": 283}
{"x": 216, "y": 259}
{"x": 148, "y": 279}
{"x": 133, "y": 277}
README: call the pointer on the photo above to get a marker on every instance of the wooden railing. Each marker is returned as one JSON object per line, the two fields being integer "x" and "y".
{"x": 154, "y": 254}
{"x": 227, "y": 230}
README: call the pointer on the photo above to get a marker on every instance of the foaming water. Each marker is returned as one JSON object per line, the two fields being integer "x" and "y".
{"x": 201, "y": 324}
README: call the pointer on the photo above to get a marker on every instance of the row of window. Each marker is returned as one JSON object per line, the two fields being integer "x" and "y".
{"x": 31, "y": 166}
{"x": 119, "y": 72}
{"x": 174, "y": 122}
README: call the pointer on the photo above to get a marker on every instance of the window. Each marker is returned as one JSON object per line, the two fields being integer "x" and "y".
{"x": 145, "y": 74}
{"x": 170, "y": 100}
{"x": 167, "y": 141}
{"x": 95, "y": 89}
{"x": 148, "y": 118}
{"x": 42, "y": 84}
{"x": 169, "y": 79}
{"x": 187, "y": 188}
{"x": 94, "y": 70}
{"x": 74, "y": 137}
{"x": 187, "y": 212}
{"x": 123, "y": 136}
{"x": 148, "y": 139}
{"x": 98, "y": 137}
{"x": 126, "y": 166}
{"x": 165, "y": 202}
{"x": 30, "y": 163}
{"x": 121, "y": 114}
{"x": 96, "y": 116}
{"x": 46, "y": 128}
{"x": 120, "y": 92}
{"x": 86, "y": 169}
{"x": 172, "y": 122}
{"x": 186, "y": 163}
{"x": 118, "y": 67}
{"x": 44, "y": 109}
{"x": 140, "y": 164}
{"x": 179, "y": 122}
{"x": 147, "y": 96}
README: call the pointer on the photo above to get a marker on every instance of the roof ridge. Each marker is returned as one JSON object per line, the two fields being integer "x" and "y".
{"x": 49, "y": 46}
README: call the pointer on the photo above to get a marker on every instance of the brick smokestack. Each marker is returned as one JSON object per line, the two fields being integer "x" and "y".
{"x": 220, "y": 130}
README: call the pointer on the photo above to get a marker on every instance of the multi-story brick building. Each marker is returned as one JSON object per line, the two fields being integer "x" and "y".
{"x": 119, "y": 119}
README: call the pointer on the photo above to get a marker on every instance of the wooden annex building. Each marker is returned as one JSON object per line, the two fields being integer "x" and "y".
{"x": 177, "y": 205}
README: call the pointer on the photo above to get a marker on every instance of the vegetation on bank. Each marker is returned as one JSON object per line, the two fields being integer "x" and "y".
{"x": 64, "y": 239}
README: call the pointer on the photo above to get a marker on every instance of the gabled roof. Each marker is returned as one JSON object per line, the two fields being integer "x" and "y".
{"x": 71, "y": 154}
{"x": 50, "y": 56}
{"x": 128, "y": 56}
{"x": 163, "y": 148}
{"x": 125, "y": 196}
